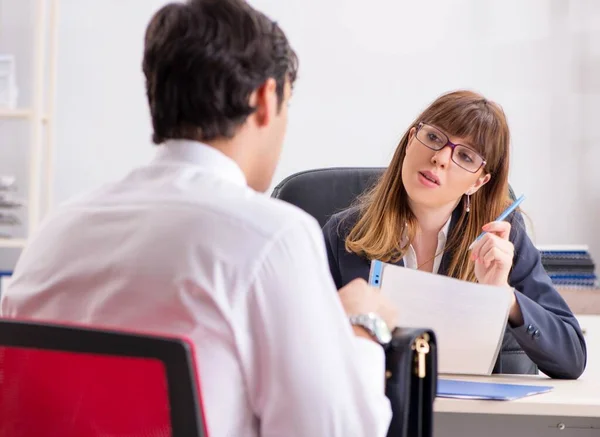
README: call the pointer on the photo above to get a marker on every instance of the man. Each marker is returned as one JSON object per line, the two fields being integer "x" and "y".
{"x": 186, "y": 245}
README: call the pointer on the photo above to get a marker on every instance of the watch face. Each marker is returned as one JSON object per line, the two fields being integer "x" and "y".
{"x": 382, "y": 332}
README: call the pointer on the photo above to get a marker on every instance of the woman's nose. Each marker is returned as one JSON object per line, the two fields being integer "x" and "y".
{"x": 442, "y": 157}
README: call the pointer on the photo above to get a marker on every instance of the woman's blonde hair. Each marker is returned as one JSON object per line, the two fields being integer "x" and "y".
{"x": 384, "y": 212}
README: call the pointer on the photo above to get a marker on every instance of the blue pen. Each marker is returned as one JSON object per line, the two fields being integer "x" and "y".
{"x": 501, "y": 217}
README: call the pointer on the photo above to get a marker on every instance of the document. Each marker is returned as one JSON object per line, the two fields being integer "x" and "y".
{"x": 468, "y": 319}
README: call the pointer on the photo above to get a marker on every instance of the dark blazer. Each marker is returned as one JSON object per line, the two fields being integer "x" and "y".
{"x": 550, "y": 339}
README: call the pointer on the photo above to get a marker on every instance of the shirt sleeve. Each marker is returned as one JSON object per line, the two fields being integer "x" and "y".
{"x": 312, "y": 376}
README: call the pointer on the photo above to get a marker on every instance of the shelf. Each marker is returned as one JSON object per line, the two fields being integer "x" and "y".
{"x": 36, "y": 115}
{"x": 12, "y": 243}
{"x": 15, "y": 113}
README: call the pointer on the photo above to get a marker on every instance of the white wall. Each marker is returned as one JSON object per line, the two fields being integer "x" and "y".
{"x": 103, "y": 126}
{"x": 366, "y": 72}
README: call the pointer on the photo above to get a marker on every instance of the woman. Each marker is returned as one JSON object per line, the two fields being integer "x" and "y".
{"x": 448, "y": 181}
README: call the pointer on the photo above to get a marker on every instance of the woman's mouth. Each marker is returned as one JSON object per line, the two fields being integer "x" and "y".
{"x": 429, "y": 179}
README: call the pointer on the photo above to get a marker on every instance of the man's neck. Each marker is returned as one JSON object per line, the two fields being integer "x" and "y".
{"x": 229, "y": 147}
{"x": 240, "y": 149}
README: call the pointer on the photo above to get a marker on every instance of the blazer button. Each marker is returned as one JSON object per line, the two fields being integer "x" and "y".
{"x": 536, "y": 334}
{"x": 530, "y": 329}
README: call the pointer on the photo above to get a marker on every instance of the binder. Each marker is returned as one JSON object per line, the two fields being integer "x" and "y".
{"x": 569, "y": 265}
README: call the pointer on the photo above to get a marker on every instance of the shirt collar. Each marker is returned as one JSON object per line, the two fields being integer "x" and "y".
{"x": 201, "y": 155}
{"x": 444, "y": 231}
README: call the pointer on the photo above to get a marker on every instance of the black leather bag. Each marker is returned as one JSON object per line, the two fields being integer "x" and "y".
{"x": 411, "y": 381}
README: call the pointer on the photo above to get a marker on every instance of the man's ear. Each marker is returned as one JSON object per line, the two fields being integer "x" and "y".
{"x": 264, "y": 99}
{"x": 481, "y": 181}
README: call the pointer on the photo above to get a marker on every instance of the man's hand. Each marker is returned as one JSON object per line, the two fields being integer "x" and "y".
{"x": 359, "y": 298}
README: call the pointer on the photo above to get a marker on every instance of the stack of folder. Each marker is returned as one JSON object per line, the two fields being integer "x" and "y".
{"x": 8, "y": 206}
{"x": 569, "y": 266}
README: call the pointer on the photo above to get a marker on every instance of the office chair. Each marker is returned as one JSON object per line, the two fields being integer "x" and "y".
{"x": 325, "y": 191}
{"x": 69, "y": 381}
{"x": 321, "y": 193}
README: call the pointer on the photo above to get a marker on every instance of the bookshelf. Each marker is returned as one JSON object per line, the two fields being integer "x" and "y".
{"x": 39, "y": 117}
{"x": 12, "y": 243}
{"x": 16, "y": 113}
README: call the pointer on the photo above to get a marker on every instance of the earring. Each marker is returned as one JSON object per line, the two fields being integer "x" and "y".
{"x": 468, "y": 209}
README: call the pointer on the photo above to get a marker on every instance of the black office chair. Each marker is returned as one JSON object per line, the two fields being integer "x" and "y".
{"x": 323, "y": 192}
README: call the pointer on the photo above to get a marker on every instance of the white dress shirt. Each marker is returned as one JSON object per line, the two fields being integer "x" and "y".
{"x": 410, "y": 257}
{"x": 184, "y": 246}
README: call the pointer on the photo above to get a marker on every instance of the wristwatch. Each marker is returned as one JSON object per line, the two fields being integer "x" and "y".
{"x": 374, "y": 325}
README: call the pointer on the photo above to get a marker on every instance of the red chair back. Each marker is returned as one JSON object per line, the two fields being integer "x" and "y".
{"x": 66, "y": 381}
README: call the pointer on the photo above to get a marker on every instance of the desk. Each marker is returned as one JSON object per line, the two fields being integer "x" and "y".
{"x": 572, "y": 408}
{"x": 582, "y": 301}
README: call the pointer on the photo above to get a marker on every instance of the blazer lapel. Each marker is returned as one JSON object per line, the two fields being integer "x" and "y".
{"x": 447, "y": 256}
{"x": 400, "y": 262}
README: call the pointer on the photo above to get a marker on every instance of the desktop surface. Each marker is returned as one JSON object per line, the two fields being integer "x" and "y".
{"x": 568, "y": 398}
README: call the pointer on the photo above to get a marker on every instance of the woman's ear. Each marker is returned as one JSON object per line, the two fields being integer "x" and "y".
{"x": 411, "y": 134}
{"x": 481, "y": 181}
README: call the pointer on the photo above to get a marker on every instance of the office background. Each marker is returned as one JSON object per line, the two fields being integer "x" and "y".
{"x": 367, "y": 69}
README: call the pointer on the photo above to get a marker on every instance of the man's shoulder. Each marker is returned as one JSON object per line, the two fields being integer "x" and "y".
{"x": 272, "y": 216}
{"x": 238, "y": 211}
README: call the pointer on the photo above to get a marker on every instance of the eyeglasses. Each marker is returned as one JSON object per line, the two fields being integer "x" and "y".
{"x": 463, "y": 156}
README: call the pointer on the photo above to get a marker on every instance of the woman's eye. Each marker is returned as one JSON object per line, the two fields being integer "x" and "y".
{"x": 465, "y": 157}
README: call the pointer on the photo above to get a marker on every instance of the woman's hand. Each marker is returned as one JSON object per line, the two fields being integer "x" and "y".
{"x": 493, "y": 254}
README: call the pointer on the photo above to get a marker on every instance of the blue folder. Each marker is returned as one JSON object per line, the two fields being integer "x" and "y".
{"x": 448, "y": 388}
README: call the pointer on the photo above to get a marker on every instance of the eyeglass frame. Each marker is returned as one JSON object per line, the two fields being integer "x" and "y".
{"x": 452, "y": 147}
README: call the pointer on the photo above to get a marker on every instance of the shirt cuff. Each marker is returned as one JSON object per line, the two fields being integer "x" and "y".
{"x": 527, "y": 330}
{"x": 372, "y": 357}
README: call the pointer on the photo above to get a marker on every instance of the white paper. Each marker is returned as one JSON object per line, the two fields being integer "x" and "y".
{"x": 468, "y": 319}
